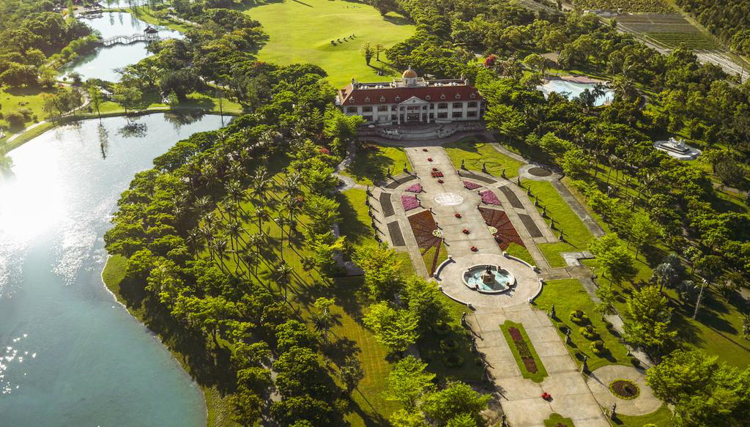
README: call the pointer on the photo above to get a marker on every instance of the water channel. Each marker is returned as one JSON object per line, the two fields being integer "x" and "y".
{"x": 104, "y": 62}
{"x": 70, "y": 355}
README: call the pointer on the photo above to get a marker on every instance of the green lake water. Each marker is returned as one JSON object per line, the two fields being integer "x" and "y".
{"x": 70, "y": 355}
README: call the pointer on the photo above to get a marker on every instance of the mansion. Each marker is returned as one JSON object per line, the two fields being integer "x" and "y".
{"x": 411, "y": 99}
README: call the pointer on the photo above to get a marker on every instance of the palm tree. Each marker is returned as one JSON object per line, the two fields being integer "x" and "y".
{"x": 261, "y": 215}
{"x": 220, "y": 246}
{"x": 283, "y": 271}
{"x": 260, "y": 182}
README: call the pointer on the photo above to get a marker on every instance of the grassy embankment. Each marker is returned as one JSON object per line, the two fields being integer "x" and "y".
{"x": 373, "y": 162}
{"x": 302, "y": 32}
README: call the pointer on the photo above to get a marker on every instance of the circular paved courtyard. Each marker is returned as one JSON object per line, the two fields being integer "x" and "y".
{"x": 451, "y": 280}
{"x": 600, "y": 379}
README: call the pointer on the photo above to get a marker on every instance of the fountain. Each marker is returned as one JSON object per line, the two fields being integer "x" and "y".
{"x": 488, "y": 279}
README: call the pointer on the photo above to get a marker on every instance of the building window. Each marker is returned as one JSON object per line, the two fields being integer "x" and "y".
{"x": 351, "y": 109}
{"x": 443, "y": 105}
{"x": 471, "y": 113}
{"x": 458, "y": 96}
{"x": 458, "y": 114}
{"x": 367, "y": 99}
{"x": 398, "y": 98}
{"x": 473, "y": 95}
{"x": 428, "y": 97}
{"x": 432, "y": 115}
{"x": 472, "y": 104}
{"x": 367, "y": 118}
{"x": 442, "y": 96}
{"x": 442, "y": 115}
{"x": 394, "y": 117}
{"x": 383, "y": 108}
{"x": 382, "y": 99}
{"x": 351, "y": 100}
{"x": 367, "y": 109}
{"x": 458, "y": 105}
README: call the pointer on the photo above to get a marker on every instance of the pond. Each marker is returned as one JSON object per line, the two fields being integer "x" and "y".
{"x": 103, "y": 62}
{"x": 573, "y": 90}
{"x": 69, "y": 353}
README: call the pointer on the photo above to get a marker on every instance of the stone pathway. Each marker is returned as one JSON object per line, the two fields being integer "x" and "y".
{"x": 520, "y": 397}
{"x": 600, "y": 379}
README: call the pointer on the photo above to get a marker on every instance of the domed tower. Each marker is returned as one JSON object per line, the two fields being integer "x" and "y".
{"x": 410, "y": 77}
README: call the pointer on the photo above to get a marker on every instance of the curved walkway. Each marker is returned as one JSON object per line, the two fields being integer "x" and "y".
{"x": 600, "y": 379}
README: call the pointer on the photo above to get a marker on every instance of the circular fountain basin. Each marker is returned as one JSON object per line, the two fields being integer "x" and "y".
{"x": 502, "y": 279}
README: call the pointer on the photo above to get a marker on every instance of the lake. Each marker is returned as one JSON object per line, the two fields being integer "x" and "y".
{"x": 103, "y": 62}
{"x": 69, "y": 353}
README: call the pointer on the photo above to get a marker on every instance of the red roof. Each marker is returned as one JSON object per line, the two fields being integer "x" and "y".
{"x": 388, "y": 95}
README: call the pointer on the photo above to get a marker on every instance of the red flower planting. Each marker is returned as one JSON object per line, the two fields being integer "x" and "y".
{"x": 465, "y": 231}
{"x": 429, "y": 159}
{"x": 434, "y": 169}
{"x": 423, "y": 225}
{"x": 458, "y": 215}
{"x": 424, "y": 149}
{"x": 440, "y": 181}
{"x": 474, "y": 249}
{"x": 506, "y": 233}
{"x": 523, "y": 350}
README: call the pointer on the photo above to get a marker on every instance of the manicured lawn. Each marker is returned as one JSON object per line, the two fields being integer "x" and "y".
{"x": 540, "y": 373}
{"x": 575, "y": 233}
{"x": 661, "y": 417}
{"x": 474, "y": 154}
{"x": 355, "y": 223}
{"x": 372, "y": 162}
{"x": 194, "y": 100}
{"x": 519, "y": 251}
{"x": 301, "y": 31}
{"x": 432, "y": 253}
{"x": 144, "y": 13}
{"x": 557, "y": 420}
{"x": 568, "y": 295}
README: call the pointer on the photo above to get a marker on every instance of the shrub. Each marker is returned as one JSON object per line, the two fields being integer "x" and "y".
{"x": 15, "y": 119}
{"x": 449, "y": 344}
{"x": 454, "y": 361}
{"x": 588, "y": 332}
{"x": 598, "y": 347}
{"x": 441, "y": 328}
{"x": 579, "y": 317}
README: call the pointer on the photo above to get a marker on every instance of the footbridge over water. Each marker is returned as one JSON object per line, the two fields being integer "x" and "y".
{"x": 135, "y": 38}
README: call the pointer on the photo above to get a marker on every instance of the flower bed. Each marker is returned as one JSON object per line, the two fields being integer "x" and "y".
{"x": 436, "y": 174}
{"x": 504, "y": 232}
{"x": 440, "y": 181}
{"x": 523, "y": 351}
{"x": 458, "y": 215}
{"x": 471, "y": 185}
{"x": 416, "y": 188}
{"x": 624, "y": 389}
{"x": 465, "y": 231}
{"x": 409, "y": 202}
{"x": 474, "y": 249}
{"x": 489, "y": 198}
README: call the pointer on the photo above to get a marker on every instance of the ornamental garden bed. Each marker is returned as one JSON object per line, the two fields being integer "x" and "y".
{"x": 504, "y": 232}
{"x": 523, "y": 351}
{"x": 624, "y": 389}
{"x": 429, "y": 239}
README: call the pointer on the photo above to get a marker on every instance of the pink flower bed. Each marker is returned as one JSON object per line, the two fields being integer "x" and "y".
{"x": 409, "y": 202}
{"x": 471, "y": 185}
{"x": 489, "y": 198}
{"x": 416, "y": 188}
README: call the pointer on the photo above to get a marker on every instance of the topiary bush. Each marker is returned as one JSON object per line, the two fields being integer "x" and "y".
{"x": 598, "y": 347}
{"x": 441, "y": 328}
{"x": 579, "y": 317}
{"x": 588, "y": 332}
{"x": 454, "y": 361}
{"x": 449, "y": 344}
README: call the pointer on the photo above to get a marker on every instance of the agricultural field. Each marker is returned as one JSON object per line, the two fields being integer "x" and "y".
{"x": 669, "y": 30}
{"x": 303, "y": 31}
{"x": 626, "y": 5}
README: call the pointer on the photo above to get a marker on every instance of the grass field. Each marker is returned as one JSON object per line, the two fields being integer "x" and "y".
{"x": 15, "y": 100}
{"x": 662, "y": 417}
{"x": 575, "y": 233}
{"x": 519, "y": 251}
{"x": 557, "y": 420}
{"x": 301, "y": 31}
{"x": 373, "y": 161}
{"x": 474, "y": 154}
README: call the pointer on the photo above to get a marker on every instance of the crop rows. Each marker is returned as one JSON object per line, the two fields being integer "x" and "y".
{"x": 626, "y": 5}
